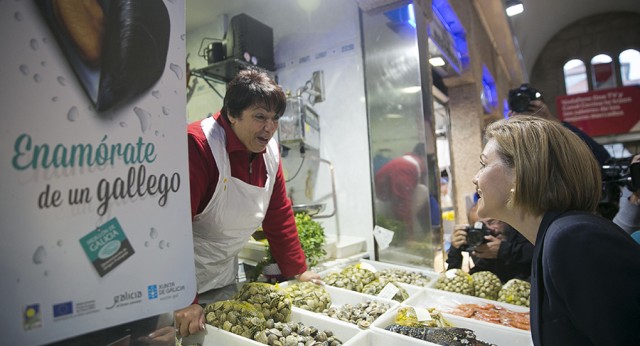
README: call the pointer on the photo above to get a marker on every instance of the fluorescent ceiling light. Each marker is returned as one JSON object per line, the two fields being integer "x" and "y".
{"x": 411, "y": 90}
{"x": 514, "y": 7}
{"x": 437, "y": 61}
{"x": 412, "y": 16}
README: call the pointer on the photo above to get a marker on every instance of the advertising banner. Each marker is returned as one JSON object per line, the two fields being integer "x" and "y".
{"x": 602, "y": 112}
{"x": 95, "y": 184}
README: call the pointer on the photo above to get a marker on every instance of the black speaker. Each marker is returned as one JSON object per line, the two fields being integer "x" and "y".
{"x": 250, "y": 40}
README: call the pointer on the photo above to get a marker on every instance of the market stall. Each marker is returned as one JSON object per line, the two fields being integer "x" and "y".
{"x": 406, "y": 308}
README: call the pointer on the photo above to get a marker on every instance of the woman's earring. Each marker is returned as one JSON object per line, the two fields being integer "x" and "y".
{"x": 510, "y": 200}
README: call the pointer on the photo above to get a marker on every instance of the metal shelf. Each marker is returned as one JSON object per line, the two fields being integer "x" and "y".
{"x": 225, "y": 70}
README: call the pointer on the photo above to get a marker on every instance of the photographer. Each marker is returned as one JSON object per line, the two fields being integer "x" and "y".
{"x": 504, "y": 252}
{"x": 529, "y": 101}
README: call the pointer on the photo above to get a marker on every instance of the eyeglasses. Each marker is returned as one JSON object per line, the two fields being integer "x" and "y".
{"x": 492, "y": 222}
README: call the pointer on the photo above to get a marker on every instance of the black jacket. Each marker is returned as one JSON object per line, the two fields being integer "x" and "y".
{"x": 585, "y": 284}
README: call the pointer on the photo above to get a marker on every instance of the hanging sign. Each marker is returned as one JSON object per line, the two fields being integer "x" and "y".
{"x": 602, "y": 112}
{"x": 95, "y": 185}
{"x": 443, "y": 40}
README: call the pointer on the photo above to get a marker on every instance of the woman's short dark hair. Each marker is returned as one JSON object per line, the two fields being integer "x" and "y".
{"x": 252, "y": 87}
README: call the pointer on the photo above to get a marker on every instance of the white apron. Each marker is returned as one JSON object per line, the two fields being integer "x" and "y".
{"x": 234, "y": 212}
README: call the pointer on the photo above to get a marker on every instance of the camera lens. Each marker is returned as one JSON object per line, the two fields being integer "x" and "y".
{"x": 520, "y": 98}
{"x": 519, "y": 102}
{"x": 475, "y": 237}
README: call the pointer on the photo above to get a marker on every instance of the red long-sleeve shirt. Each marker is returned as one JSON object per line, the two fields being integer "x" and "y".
{"x": 396, "y": 182}
{"x": 279, "y": 223}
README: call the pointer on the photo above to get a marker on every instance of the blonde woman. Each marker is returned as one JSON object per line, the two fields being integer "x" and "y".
{"x": 543, "y": 180}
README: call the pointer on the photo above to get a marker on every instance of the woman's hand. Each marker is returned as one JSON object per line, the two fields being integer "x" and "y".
{"x": 311, "y": 277}
{"x": 190, "y": 320}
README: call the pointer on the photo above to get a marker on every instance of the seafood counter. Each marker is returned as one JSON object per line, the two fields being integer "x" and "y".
{"x": 370, "y": 303}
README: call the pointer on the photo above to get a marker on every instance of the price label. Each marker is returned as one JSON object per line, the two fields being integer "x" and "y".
{"x": 383, "y": 237}
{"x": 367, "y": 266}
{"x": 423, "y": 314}
{"x": 389, "y": 291}
{"x": 450, "y": 274}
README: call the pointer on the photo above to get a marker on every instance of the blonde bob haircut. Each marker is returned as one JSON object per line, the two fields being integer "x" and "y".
{"x": 554, "y": 168}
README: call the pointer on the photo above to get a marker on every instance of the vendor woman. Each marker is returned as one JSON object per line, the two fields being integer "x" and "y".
{"x": 237, "y": 185}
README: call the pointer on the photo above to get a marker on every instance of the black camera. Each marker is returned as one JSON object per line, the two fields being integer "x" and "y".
{"x": 623, "y": 173}
{"x": 520, "y": 98}
{"x": 617, "y": 173}
{"x": 475, "y": 236}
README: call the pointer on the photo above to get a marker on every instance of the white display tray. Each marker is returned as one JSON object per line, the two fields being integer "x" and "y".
{"x": 381, "y": 266}
{"x": 487, "y": 332}
{"x": 214, "y": 336}
{"x": 444, "y": 302}
{"x": 377, "y": 338}
{"x": 340, "y": 296}
{"x": 411, "y": 289}
{"x": 253, "y": 251}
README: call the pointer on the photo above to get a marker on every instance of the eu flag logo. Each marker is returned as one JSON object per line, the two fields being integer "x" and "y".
{"x": 63, "y": 309}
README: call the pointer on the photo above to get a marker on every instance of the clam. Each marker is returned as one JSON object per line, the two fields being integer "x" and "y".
{"x": 358, "y": 314}
{"x": 515, "y": 291}
{"x": 271, "y": 301}
{"x": 237, "y": 317}
{"x": 408, "y": 277}
{"x": 486, "y": 285}
{"x": 309, "y": 296}
{"x": 456, "y": 280}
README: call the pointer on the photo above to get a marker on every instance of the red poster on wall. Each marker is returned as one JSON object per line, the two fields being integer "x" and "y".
{"x": 602, "y": 112}
{"x": 603, "y": 76}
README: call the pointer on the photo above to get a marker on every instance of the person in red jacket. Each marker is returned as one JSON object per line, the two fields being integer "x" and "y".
{"x": 400, "y": 186}
{"x": 237, "y": 185}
